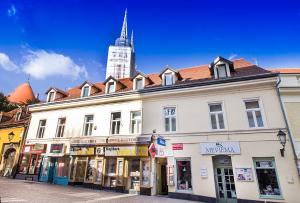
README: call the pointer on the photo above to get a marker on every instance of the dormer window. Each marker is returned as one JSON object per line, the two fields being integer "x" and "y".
{"x": 139, "y": 83}
{"x": 221, "y": 71}
{"x": 18, "y": 116}
{"x": 168, "y": 79}
{"x": 51, "y": 96}
{"x": 111, "y": 87}
{"x": 85, "y": 91}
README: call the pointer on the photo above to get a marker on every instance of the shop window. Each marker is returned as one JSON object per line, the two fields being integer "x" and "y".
{"x": 267, "y": 178}
{"x": 90, "y": 170}
{"x": 41, "y": 129}
{"x": 184, "y": 177}
{"x": 134, "y": 173}
{"x": 136, "y": 122}
{"x": 46, "y": 166}
{"x": 170, "y": 119}
{"x": 115, "y": 123}
{"x": 60, "y": 127}
{"x": 24, "y": 164}
{"x": 99, "y": 171}
{"x": 80, "y": 166}
{"x": 254, "y": 114}
{"x": 216, "y": 116}
{"x": 34, "y": 164}
{"x": 120, "y": 168}
{"x": 110, "y": 178}
{"x": 62, "y": 168}
{"x": 72, "y": 169}
{"x": 145, "y": 173}
{"x": 88, "y": 125}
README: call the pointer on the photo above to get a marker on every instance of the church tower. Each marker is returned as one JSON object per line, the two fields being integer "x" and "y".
{"x": 121, "y": 56}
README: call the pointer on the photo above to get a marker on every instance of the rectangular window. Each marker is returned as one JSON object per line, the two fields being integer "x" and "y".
{"x": 267, "y": 178}
{"x": 115, "y": 122}
{"x": 60, "y": 127}
{"x": 136, "y": 122}
{"x": 170, "y": 119}
{"x": 111, "y": 87}
{"x": 168, "y": 79}
{"x": 41, "y": 129}
{"x": 184, "y": 175}
{"x": 139, "y": 83}
{"x": 216, "y": 116}
{"x": 86, "y": 91}
{"x": 18, "y": 116}
{"x": 88, "y": 125}
{"x": 254, "y": 114}
{"x": 222, "y": 71}
{"x": 51, "y": 96}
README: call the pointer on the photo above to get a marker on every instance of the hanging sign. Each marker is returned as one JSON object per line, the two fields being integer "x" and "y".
{"x": 220, "y": 148}
{"x": 152, "y": 150}
{"x": 161, "y": 141}
{"x": 56, "y": 148}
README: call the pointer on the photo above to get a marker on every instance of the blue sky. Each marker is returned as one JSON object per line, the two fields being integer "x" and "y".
{"x": 61, "y": 43}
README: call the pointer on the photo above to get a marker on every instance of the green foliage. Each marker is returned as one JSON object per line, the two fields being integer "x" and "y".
{"x": 5, "y": 105}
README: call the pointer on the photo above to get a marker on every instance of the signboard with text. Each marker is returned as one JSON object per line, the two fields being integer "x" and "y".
{"x": 220, "y": 148}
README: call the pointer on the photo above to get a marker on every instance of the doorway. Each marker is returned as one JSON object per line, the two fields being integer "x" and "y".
{"x": 161, "y": 169}
{"x": 224, "y": 179}
{"x": 9, "y": 159}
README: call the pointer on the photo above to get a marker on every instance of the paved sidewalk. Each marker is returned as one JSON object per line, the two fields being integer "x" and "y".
{"x": 26, "y": 191}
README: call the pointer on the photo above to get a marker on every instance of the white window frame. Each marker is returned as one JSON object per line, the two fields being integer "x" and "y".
{"x": 90, "y": 125}
{"x": 60, "y": 125}
{"x": 18, "y": 115}
{"x": 135, "y": 83}
{"x": 176, "y": 175}
{"x": 170, "y": 120}
{"x": 41, "y": 128}
{"x": 216, "y": 72}
{"x": 131, "y": 120}
{"x": 48, "y": 96}
{"x": 107, "y": 87}
{"x": 165, "y": 78}
{"x": 118, "y": 120}
{"x": 253, "y": 114}
{"x": 217, "y": 118}
{"x": 89, "y": 90}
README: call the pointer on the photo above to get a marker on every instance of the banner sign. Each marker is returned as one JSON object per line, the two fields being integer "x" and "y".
{"x": 177, "y": 146}
{"x": 220, "y": 148}
{"x": 90, "y": 141}
{"x": 128, "y": 140}
{"x": 126, "y": 151}
{"x": 79, "y": 151}
{"x": 161, "y": 141}
{"x": 56, "y": 148}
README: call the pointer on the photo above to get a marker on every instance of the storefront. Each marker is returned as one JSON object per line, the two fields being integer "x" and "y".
{"x": 55, "y": 165}
{"x": 30, "y": 162}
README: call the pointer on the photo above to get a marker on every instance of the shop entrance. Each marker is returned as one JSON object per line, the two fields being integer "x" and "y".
{"x": 161, "y": 169}
{"x": 9, "y": 159}
{"x": 224, "y": 179}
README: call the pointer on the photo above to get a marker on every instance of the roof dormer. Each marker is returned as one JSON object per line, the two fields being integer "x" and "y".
{"x": 54, "y": 93}
{"x": 169, "y": 76}
{"x": 88, "y": 88}
{"x": 140, "y": 80}
{"x": 221, "y": 68}
{"x": 112, "y": 85}
{"x": 18, "y": 114}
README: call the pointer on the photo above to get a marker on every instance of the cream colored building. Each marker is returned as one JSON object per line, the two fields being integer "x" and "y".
{"x": 289, "y": 88}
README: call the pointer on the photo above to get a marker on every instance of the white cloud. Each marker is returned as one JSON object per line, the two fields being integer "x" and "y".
{"x": 41, "y": 64}
{"x": 12, "y": 11}
{"x": 6, "y": 63}
{"x": 232, "y": 56}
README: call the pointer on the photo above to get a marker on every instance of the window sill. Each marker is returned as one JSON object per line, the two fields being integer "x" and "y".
{"x": 185, "y": 191}
{"x": 273, "y": 197}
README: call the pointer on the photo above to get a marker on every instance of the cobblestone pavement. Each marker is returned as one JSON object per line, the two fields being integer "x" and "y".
{"x": 26, "y": 191}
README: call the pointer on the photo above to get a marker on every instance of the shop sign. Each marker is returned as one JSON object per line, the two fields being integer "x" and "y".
{"x": 99, "y": 150}
{"x": 79, "y": 151}
{"x": 129, "y": 140}
{"x": 126, "y": 151}
{"x": 244, "y": 174}
{"x": 162, "y": 152}
{"x": 26, "y": 149}
{"x": 56, "y": 148}
{"x": 220, "y": 148}
{"x": 88, "y": 141}
{"x": 38, "y": 148}
{"x": 161, "y": 141}
{"x": 203, "y": 173}
{"x": 177, "y": 146}
{"x": 152, "y": 150}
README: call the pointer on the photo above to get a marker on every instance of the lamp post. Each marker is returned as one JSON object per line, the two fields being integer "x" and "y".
{"x": 282, "y": 139}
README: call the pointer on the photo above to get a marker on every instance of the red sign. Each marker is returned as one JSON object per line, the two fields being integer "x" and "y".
{"x": 177, "y": 146}
{"x": 152, "y": 150}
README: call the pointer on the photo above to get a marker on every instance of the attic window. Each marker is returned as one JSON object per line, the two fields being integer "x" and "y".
{"x": 111, "y": 87}
{"x": 139, "y": 83}
{"x": 50, "y": 97}
{"x": 168, "y": 79}
{"x": 85, "y": 91}
{"x": 18, "y": 116}
{"x": 221, "y": 71}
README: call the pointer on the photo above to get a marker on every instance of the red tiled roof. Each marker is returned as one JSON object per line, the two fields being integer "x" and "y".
{"x": 187, "y": 75}
{"x": 286, "y": 70}
{"x": 9, "y": 118}
{"x": 22, "y": 94}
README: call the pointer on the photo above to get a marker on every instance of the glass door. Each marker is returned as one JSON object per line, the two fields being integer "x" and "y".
{"x": 225, "y": 185}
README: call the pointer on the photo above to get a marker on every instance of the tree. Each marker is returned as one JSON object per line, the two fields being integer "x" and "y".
{"x": 5, "y": 105}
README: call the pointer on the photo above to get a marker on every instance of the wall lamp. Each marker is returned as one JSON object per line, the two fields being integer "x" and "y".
{"x": 282, "y": 139}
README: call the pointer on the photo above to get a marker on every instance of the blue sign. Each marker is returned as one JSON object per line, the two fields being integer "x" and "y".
{"x": 161, "y": 141}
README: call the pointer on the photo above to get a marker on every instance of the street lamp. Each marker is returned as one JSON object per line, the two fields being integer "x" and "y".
{"x": 282, "y": 139}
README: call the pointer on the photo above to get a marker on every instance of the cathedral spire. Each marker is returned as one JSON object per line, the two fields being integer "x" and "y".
{"x": 131, "y": 42}
{"x": 124, "y": 27}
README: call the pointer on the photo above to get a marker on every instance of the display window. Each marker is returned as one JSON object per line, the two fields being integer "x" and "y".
{"x": 99, "y": 171}
{"x": 80, "y": 167}
{"x": 184, "y": 177}
{"x": 134, "y": 173}
{"x": 34, "y": 164}
{"x": 110, "y": 177}
{"x": 24, "y": 163}
{"x": 145, "y": 173}
{"x": 120, "y": 166}
{"x": 62, "y": 167}
{"x": 90, "y": 170}
{"x": 267, "y": 178}
{"x": 45, "y": 166}
{"x": 72, "y": 169}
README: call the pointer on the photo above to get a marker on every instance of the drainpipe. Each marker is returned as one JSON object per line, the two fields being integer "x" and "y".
{"x": 287, "y": 124}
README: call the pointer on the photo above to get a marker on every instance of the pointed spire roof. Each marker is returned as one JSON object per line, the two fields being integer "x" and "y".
{"x": 22, "y": 94}
{"x": 124, "y": 27}
{"x": 131, "y": 41}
